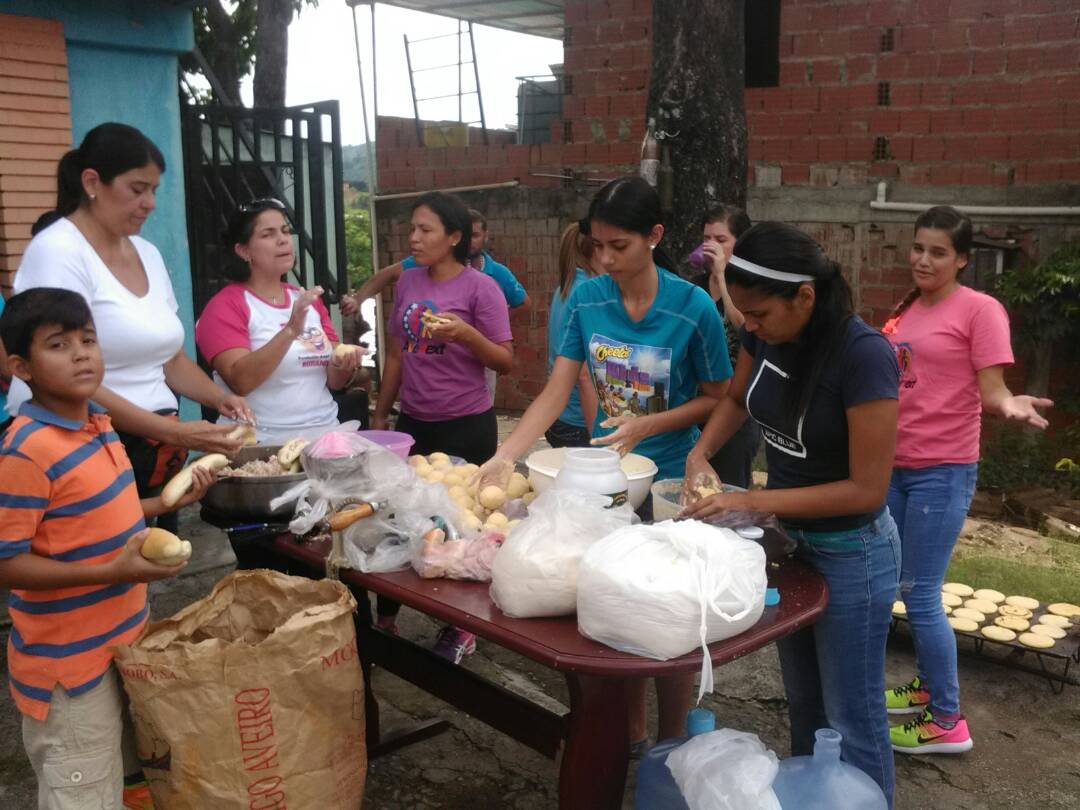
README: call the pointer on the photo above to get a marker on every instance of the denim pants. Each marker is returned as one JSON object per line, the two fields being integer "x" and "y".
{"x": 834, "y": 670}
{"x": 930, "y": 506}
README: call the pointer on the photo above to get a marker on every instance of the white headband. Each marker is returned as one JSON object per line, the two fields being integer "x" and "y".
{"x": 758, "y": 270}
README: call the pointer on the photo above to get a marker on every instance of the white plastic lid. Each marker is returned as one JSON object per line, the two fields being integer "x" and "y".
{"x": 750, "y": 532}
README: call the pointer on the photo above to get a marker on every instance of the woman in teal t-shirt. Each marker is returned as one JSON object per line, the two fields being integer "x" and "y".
{"x": 654, "y": 348}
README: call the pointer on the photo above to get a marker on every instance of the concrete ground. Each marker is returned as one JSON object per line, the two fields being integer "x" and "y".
{"x": 1026, "y": 755}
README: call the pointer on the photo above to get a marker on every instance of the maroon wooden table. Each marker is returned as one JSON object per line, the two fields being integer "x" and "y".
{"x": 591, "y": 737}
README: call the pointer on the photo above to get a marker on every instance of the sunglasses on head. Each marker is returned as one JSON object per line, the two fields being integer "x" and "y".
{"x": 262, "y": 204}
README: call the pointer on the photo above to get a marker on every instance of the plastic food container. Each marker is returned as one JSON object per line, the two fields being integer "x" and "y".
{"x": 594, "y": 469}
{"x": 640, "y": 471}
{"x": 394, "y": 441}
{"x": 665, "y": 501}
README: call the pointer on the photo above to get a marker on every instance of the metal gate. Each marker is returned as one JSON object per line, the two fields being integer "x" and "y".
{"x": 233, "y": 155}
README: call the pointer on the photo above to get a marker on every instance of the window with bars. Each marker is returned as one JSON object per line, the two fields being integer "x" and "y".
{"x": 888, "y": 39}
{"x": 881, "y": 148}
{"x": 568, "y": 131}
{"x": 986, "y": 266}
{"x": 884, "y": 92}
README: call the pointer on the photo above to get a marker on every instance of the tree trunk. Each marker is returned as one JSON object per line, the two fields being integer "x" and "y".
{"x": 219, "y": 51}
{"x": 695, "y": 108}
{"x": 271, "y": 51}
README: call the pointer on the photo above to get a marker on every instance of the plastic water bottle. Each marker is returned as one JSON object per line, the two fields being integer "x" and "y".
{"x": 656, "y": 788}
{"x": 823, "y": 782}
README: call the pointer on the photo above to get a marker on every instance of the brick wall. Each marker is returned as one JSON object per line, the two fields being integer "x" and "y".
{"x": 606, "y": 63}
{"x": 983, "y": 109}
{"x": 35, "y": 129}
{"x": 979, "y": 92}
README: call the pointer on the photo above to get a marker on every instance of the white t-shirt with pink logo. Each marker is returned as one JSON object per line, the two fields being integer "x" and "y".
{"x": 294, "y": 400}
{"x": 940, "y": 350}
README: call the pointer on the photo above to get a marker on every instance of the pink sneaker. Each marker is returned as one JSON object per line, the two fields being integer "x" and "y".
{"x": 924, "y": 736}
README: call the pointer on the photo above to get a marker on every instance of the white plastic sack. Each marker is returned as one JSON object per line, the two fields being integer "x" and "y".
{"x": 662, "y": 590}
{"x": 725, "y": 770}
{"x": 535, "y": 572}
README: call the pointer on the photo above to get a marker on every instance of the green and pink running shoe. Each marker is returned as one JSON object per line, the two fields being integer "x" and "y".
{"x": 906, "y": 699}
{"x": 924, "y": 736}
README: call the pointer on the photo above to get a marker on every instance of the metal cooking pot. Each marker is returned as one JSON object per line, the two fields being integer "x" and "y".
{"x": 248, "y": 497}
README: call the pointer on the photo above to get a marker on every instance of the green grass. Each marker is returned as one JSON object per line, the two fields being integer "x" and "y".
{"x": 1052, "y": 577}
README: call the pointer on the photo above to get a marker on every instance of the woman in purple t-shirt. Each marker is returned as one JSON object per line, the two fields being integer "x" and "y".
{"x": 448, "y": 324}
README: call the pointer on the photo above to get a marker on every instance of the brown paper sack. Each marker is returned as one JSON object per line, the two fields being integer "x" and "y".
{"x": 251, "y": 698}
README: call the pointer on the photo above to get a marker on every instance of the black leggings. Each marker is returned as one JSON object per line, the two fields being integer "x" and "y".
{"x": 473, "y": 438}
{"x": 563, "y": 434}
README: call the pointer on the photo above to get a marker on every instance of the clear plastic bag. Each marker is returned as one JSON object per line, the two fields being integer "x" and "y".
{"x": 725, "y": 770}
{"x": 464, "y": 558}
{"x": 536, "y": 571}
{"x": 342, "y": 467}
{"x": 393, "y": 553}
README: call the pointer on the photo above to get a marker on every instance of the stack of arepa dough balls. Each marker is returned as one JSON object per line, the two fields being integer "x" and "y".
{"x": 480, "y": 508}
{"x": 1003, "y": 618}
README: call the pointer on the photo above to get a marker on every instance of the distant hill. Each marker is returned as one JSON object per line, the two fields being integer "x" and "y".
{"x": 354, "y": 163}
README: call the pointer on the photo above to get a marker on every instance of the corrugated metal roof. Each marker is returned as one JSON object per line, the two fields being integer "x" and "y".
{"x": 542, "y": 18}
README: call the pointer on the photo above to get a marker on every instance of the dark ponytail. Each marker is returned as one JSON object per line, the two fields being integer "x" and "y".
{"x": 69, "y": 190}
{"x": 785, "y": 248}
{"x": 110, "y": 150}
{"x": 939, "y": 218}
{"x": 631, "y": 204}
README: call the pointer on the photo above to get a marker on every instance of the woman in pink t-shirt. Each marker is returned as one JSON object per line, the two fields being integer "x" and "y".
{"x": 270, "y": 341}
{"x": 952, "y": 346}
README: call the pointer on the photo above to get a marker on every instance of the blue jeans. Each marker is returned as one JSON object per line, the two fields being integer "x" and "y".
{"x": 834, "y": 670}
{"x": 930, "y": 506}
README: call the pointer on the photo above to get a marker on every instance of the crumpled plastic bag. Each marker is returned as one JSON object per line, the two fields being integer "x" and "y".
{"x": 536, "y": 571}
{"x": 393, "y": 553}
{"x": 725, "y": 770}
{"x": 342, "y": 467}
{"x": 662, "y": 590}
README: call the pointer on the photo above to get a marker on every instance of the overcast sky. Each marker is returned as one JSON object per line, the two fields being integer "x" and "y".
{"x": 322, "y": 65}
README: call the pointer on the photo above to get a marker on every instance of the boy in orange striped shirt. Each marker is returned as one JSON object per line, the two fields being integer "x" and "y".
{"x": 71, "y": 528}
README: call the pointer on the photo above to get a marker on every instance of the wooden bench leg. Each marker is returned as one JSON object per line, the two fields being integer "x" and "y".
{"x": 594, "y": 761}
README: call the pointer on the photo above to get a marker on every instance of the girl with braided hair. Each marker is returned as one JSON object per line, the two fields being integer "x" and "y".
{"x": 952, "y": 346}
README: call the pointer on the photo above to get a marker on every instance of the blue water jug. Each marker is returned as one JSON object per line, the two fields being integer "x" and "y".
{"x": 823, "y": 782}
{"x": 656, "y": 788}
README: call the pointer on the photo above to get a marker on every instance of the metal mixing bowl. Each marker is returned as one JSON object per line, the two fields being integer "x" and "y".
{"x": 248, "y": 497}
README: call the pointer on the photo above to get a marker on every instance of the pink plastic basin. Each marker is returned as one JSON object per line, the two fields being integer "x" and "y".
{"x": 394, "y": 441}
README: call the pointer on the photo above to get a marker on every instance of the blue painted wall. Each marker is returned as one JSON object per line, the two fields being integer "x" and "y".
{"x": 122, "y": 66}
